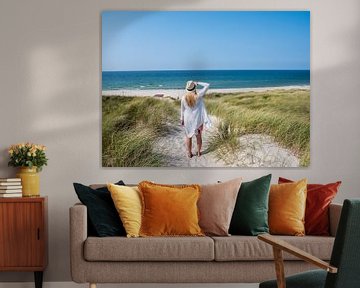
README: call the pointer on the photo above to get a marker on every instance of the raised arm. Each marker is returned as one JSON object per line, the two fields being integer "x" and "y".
{"x": 203, "y": 90}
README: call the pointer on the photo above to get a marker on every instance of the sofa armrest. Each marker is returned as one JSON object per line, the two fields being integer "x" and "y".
{"x": 334, "y": 217}
{"x": 78, "y": 235}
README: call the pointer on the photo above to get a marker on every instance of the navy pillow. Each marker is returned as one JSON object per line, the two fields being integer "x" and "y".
{"x": 103, "y": 218}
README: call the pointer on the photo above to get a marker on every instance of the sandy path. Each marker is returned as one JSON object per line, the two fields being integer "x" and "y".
{"x": 256, "y": 150}
{"x": 172, "y": 147}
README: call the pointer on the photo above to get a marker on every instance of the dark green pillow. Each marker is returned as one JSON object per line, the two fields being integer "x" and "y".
{"x": 103, "y": 218}
{"x": 250, "y": 216}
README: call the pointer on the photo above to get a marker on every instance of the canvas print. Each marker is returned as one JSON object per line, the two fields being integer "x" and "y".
{"x": 205, "y": 89}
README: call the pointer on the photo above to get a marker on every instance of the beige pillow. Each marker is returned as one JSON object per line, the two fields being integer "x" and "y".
{"x": 216, "y": 206}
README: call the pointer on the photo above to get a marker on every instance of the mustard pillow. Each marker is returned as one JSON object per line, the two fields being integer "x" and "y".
{"x": 169, "y": 210}
{"x": 287, "y": 204}
{"x": 127, "y": 201}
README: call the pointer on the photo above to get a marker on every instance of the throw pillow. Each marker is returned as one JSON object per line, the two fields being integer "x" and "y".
{"x": 127, "y": 201}
{"x": 169, "y": 210}
{"x": 102, "y": 214}
{"x": 318, "y": 200}
{"x": 216, "y": 206}
{"x": 250, "y": 215}
{"x": 287, "y": 204}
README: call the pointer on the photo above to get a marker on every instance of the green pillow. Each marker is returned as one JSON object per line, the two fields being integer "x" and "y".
{"x": 250, "y": 216}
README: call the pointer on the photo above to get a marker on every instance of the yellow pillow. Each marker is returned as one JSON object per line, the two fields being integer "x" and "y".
{"x": 287, "y": 204}
{"x": 127, "y": 201}
{"x": 169, "y": 210}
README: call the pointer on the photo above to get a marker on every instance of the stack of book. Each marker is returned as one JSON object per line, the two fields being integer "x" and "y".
{"x": 10, "y": 187}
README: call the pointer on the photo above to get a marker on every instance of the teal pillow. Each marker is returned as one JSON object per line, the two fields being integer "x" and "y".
{"x": 250, "y": 216}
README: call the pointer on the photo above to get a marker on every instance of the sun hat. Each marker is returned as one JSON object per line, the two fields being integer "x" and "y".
{"x": 190, "y": 85}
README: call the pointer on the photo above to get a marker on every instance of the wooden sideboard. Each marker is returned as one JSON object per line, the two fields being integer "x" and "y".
{"x": 23, "y": 235}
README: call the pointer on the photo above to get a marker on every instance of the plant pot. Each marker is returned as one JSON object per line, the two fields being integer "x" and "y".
{"x": 30, "y": 181}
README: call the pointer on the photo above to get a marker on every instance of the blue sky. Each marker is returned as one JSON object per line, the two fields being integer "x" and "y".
{"x": 154, "y": 40}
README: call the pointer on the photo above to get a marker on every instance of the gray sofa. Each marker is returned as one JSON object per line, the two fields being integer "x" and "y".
{"x": 234, "y": 259}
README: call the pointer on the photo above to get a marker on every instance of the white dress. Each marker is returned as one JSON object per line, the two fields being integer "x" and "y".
{"x": 196, "y": 116}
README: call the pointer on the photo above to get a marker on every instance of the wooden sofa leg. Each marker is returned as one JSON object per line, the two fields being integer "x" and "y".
{"x": 92, "y": 285}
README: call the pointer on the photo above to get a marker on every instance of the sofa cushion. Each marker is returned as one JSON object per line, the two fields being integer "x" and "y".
{"x": 102, "y": 216}
{"x": 250, "y": 215}
{"x": 287, "y": 204}
{"x": 216, "y": 205}
{"x": 244, "y": 248}
{"x": 318, "y": 200}
{"x": 149, "y": 249}
{"x": 169, "y": 210}
{"x": 127, "y": 201}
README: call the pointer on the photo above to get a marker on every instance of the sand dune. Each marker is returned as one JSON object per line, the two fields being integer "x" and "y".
{"x": 256, "y": 150}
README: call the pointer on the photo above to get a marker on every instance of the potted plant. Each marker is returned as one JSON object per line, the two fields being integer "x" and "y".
{"x": 30, "y": 158}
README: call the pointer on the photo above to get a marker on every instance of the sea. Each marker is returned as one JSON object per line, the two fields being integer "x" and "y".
{"x": 218, "y": 79}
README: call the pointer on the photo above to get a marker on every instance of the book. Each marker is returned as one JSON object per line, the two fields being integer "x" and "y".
{"x": 10, "y": 180}
{"x": 10, "y": 183}
{"x": 10, "y": 187}
{"x": 10, "y": 191}
{"x": 10, "y": 195}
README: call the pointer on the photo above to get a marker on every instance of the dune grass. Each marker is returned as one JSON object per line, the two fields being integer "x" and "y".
{"x": 130, "y": 127}
{"x": 283, "y": 114}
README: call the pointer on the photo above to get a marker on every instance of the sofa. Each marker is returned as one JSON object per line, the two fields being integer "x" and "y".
{"x": 233, "y": 259}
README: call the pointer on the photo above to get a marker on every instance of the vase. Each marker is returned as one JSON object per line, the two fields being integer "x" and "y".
{"x": 30, "y": 181}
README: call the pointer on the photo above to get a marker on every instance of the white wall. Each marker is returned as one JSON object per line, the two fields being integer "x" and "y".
{"x": 50, "y": 94}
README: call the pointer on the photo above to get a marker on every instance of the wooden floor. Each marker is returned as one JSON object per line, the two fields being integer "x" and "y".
{"x": 74, "y": 285}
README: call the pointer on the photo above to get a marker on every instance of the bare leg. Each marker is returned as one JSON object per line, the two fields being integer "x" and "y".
{"x": 188, "y": 146}
{"x": 199, "y": 143}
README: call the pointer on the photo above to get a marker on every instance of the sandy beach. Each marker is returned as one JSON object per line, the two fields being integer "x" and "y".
{"x": 178, "y": 93}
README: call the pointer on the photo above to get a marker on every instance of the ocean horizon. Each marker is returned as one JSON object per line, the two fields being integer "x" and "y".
{"x": 218, "y": 79}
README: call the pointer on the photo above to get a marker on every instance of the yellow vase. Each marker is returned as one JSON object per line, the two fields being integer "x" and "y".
{"x": 30, "y": 181}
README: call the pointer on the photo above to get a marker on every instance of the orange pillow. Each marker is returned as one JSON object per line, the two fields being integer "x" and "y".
{"x": 287, "y": 204}
{"x": 169, "y": 210}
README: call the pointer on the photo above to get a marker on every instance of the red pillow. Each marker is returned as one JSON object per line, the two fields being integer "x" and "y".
{"x": 319, "y": 197}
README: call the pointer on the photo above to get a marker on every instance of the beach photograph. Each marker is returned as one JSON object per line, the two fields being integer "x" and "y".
{"x": 205, "y": 88}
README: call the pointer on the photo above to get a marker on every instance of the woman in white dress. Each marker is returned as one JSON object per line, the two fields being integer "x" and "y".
{"x": 194, "y": 115}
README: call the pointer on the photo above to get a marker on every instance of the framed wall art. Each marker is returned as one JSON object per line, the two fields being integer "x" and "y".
{"x": 205, "y": 89}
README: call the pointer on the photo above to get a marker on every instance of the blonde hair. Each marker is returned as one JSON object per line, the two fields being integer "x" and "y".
{"x": 190, "y": 98}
